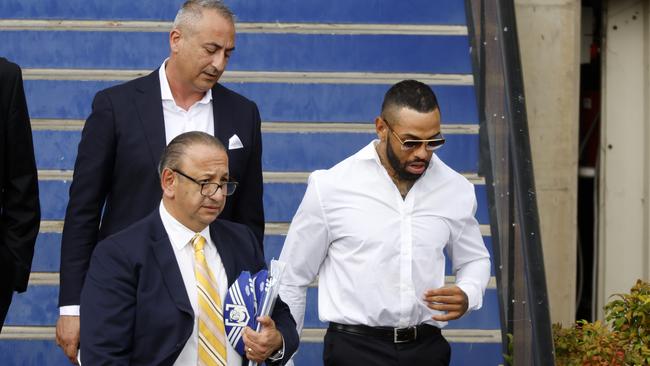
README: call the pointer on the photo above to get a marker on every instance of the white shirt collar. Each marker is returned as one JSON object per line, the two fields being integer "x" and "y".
{"x": 166, "y": 91}
{"x": 179, "y": 234}
{"x": 369, "y": 152}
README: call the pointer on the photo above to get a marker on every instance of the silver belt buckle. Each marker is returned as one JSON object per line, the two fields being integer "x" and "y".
{"x": 396, "y": 334}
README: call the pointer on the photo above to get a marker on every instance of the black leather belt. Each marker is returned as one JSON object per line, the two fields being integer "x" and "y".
{"x": 395, "y": 335}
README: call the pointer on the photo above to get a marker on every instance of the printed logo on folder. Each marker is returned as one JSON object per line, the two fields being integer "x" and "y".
{"x": 261, "y": 281}
{"x": 248, "y": 298}
{"x": 239, "y": 310}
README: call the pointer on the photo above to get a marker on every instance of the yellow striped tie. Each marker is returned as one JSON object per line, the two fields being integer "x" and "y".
{"x": 212, "y": 334}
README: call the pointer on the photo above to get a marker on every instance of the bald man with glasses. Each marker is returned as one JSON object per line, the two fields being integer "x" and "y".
{"x": 373, "y": 228}
{"x": 154, "y": 291}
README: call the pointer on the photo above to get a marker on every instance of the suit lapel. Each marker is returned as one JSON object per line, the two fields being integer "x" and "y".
{"x": 220, "y": 114}
{"x": 226, "y": 254}
{"x": 148, "y": 101}
{"x": 162, "y": 249}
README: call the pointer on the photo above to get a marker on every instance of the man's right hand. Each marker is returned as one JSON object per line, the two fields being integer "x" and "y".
{"x": 67, "y": 336}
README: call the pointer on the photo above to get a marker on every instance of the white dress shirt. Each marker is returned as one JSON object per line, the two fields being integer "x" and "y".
{"x": 200, "y": 117}
{"x": 376, "y": 253}
{"x": 180, "y": 237}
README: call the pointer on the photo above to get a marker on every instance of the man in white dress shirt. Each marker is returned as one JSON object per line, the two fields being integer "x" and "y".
{"x": 373, "y": 228}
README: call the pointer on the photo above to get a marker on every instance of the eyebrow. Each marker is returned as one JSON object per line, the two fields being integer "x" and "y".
{"x": 217, "y": 45}
{"x": 408, "y": 136}
{"x": 207, "y": 177}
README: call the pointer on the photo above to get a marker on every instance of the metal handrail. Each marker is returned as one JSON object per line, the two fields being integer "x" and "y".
{"x": 507, "y": 165}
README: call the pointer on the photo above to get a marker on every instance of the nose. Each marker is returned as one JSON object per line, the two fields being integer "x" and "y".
{"x": 219, "y": 60}
{"x": 219, "y": 194}
{"x": 421, "y": 151}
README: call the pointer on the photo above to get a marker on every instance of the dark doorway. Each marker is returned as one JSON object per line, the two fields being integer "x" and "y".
{"x": 590, "y": 98}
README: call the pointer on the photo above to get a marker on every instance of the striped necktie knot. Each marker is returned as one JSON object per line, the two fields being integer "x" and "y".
{"x": 198, "y": 242}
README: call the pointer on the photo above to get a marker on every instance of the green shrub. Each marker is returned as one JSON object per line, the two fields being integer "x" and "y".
{"x": 629, "y": 316}
{"x": 622, "y": 341}
{"x": 587, "y": 344}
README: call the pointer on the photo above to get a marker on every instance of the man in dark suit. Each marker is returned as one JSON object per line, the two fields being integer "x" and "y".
{"x": 147, "y": 299}
{"x": 20, "y": 212}
{"x": 115, "y": 181}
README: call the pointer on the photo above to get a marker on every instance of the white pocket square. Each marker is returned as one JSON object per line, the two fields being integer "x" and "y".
{"x": 234, "y": 143}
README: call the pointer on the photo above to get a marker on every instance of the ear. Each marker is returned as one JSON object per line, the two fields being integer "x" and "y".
{"x": 175, "y": 40}
{"x": 380, "y": 128}
{"x": 168, "y": 183}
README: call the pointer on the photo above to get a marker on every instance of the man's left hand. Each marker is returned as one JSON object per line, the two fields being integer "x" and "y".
{"x": 450, "y": 299}
{"x": 260, "y": 345}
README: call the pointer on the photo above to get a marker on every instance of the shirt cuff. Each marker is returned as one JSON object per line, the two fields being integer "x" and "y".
{"x": 71, "y": 310}
{"x": 474, "y": 296}
{"x": 279, "y": 354}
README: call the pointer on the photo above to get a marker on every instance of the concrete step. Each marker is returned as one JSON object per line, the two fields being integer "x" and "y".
{"x": 278, "y": 102}
{"x": 44, "y": 352}
{"x": 447, "y": 12}
{"x": 281, "y": 200}
{"x": 255, "y": 51}
{"x": 57, "y": 150}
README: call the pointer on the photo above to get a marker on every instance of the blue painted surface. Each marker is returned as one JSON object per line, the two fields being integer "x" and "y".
{"x": 47, "y": 254}
{"x": 309, "y": 354}
{"x": 285, "y": 152}
{"x": 277, "y": 101}
{"x": 33, "y": 353}
{"x": 485, "y": 318}
{"x": 335, "y": 11}
{"x": 478, "y": 354}
{"x": 54, "y": 199}
{"x": 281, "y": 200}
{"x": 38, "y": 306}
{"x": 281, "y": 52}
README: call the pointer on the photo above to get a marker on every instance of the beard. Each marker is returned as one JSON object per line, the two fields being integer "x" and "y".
{"x": 399, "y": 168}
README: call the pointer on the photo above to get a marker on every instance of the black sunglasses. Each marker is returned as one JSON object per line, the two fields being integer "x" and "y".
{"x": 431, "y": 144}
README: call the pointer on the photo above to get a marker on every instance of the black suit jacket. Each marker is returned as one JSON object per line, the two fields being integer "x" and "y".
{"x": 115, "y": 174}
{"x": 20, "y": 213}
{"x": 134, "y": 305}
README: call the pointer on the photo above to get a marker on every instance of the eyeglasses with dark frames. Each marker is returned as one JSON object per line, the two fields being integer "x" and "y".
{"x": 430, "y": 144}
{"x": 208, "y": 188}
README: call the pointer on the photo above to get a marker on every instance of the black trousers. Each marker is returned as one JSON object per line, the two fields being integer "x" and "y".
{"x": 345, "y": 349}
{"x": 6, "y": 283}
